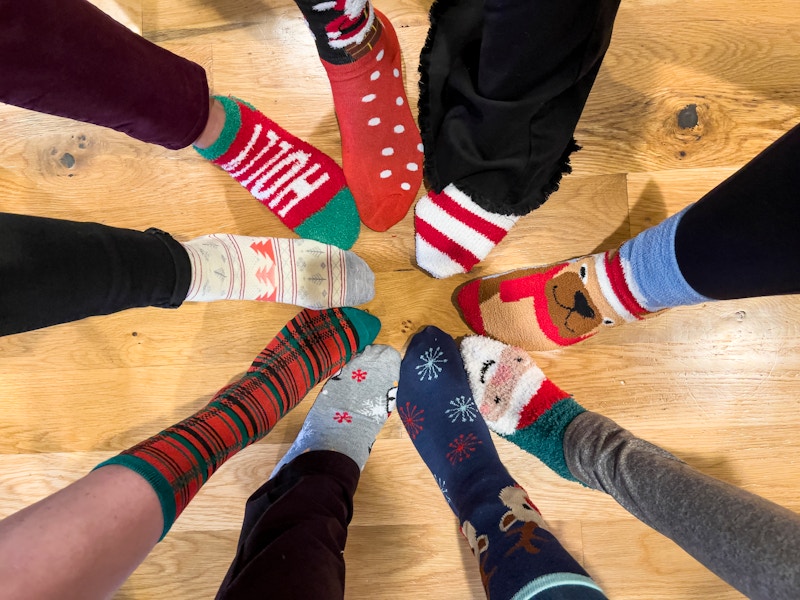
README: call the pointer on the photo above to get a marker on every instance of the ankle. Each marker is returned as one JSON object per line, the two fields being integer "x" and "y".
{"x": 214, "y": 125}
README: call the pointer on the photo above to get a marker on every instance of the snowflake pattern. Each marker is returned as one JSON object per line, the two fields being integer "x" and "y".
{"x": 462, "y": 447}
{"x": 431, "y": 361}
{"x": 343, "y": 417}
{"x": 443, "y": 488}
{"x": 462, "y": 407}
{"x": 412, "y": 417}
{"x": 359, "y": 375}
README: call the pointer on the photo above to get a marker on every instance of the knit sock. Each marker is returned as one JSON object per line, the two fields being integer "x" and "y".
{"x": 351, "y": 409}
{"x": 180, "y": 459}
{"x": 381, "y": 145}
{"x": 454, "y": 234}
{"x": 557, "y": 305}
{"x": 302, "y": 186}
{"x": 302, "y": 272}
{"x": 517, "y": 401}
{"x": 517, "y": 556}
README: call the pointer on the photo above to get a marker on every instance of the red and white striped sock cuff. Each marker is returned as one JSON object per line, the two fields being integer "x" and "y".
{"x": 453, "y": 234}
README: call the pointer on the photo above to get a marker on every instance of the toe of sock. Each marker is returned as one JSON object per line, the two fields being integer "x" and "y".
{"x": 468, "y": 302}
{"x": 366, "y": 326}
{"x": 389, "y": 212}
{"x": 337, "y": 223}
{"x": 360, "y": 280}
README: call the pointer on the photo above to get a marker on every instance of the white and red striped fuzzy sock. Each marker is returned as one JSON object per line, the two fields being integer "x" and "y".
{"x": 301, "y": 272}
{"x": 454, "y": 234}
{"x": 301, "y": 185}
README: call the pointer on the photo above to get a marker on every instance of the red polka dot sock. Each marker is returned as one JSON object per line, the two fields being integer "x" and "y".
{"x": 381, "y": 145}
{"x": 301, "y": 185}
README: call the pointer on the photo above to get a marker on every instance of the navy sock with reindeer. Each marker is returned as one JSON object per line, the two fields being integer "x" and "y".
{"x": 517, "y": 556}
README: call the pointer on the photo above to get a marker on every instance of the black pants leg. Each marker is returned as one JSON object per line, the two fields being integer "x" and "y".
{"x": 742, "y": 239}
{"x": 503, "y": 84}
{"x": 54, "y": 271}
{"x": 294, "y": 532}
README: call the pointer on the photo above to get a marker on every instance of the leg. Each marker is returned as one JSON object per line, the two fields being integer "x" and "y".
{"x": 747, "y": 541}
{"x": 517, "y": 556}
{"x": 56, "y": 271}
{"x": 738, "y": 241}
{"x": 71, "y": 59}
{"x": 91, "y": 68}
{"x": 107, "y": 522}
{"x": 503, "y": 85}
{"x": 300, "y": 516}
{"x": 381, "y": 151}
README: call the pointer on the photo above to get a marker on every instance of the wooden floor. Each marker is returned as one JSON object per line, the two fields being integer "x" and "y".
{"x": 716, "y": 384}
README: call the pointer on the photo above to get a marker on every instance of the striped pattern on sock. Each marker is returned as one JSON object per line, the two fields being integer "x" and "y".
{"x": 453, "y": 234}
{"x": 180, "y": 459}
{"x": 233, "y": 267}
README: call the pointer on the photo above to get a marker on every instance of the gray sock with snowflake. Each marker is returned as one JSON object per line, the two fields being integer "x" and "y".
{"x": 352, "y": 407}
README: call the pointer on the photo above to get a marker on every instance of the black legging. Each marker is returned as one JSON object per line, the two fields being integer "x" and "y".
{"x": 742, "y": 239}
{"x": 54, "y": 271}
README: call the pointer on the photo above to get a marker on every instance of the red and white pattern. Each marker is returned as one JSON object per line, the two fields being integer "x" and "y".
{"x": 453, "y": 234}
{"x": 287, "y": 175}
{"x": 301, "y": 272}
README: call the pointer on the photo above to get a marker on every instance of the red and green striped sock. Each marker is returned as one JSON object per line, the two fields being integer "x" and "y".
{"x": 309, "y": 349}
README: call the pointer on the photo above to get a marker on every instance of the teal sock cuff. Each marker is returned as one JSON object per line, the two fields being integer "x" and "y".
{"x": 233, "y": 122}
{"x": 366, "y": 326}
{"x": 544, "y": 438}
{"x": 159, "y": 483}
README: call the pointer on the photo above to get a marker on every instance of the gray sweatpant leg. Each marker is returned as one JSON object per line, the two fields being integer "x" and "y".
{"x": 749, "y": 542}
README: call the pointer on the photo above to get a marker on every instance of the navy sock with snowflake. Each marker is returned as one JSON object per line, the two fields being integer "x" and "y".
{"x": 517, "y": 557}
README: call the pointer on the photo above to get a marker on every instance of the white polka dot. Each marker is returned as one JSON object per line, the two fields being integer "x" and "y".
{"x": 385, "y": 174}
{"x": 420, "y": 147}
{"x": 399, "y": 101}
{"x": 375, "y": 75}
{"x": 399, "y": 129}
{"x": 405, "y": 186}
{"x": 374, "y": 121}
{"x": 412, "y": 166}
{"x": 387, "y": 151}
{"x": 380, "y": 55}
{"x": 396, "y": 72}
{"x": 368, "y": 98}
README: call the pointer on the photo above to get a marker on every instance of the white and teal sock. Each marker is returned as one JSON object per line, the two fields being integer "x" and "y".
{"x": 352, "y": 407}
{"x": 292, "y": 271}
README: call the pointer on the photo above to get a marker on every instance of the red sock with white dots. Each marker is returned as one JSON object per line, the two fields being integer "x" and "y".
{"x": 381, "y": 145}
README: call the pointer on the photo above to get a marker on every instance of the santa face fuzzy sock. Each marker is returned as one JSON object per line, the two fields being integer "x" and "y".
{"x": 302, "y": 272}
{"x": 381, "y": 145}
{"x": 517, "y": 555}
{"x": 544, "y": 308}
{"x": 453, "y": 234}
{"x": 301, "y": 185}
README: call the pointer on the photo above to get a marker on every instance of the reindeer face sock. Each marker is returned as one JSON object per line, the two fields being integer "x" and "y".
{"x": 517, "y": 556}
{"x": 565, "y": 303}
{"x": 381, "y": 145}
{"x": 301, "y": 272}
{"x": 351, "y": 409}
{"x": 179, "y": 460}
{"x": 453, "y": 234}
{"x": 301, "y": 185}
{"x": 517, "y": 401}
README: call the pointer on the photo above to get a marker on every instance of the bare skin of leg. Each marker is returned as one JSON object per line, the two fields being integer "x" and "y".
{"x": 216, "y": 121}
{"x": 82, "y": 542}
